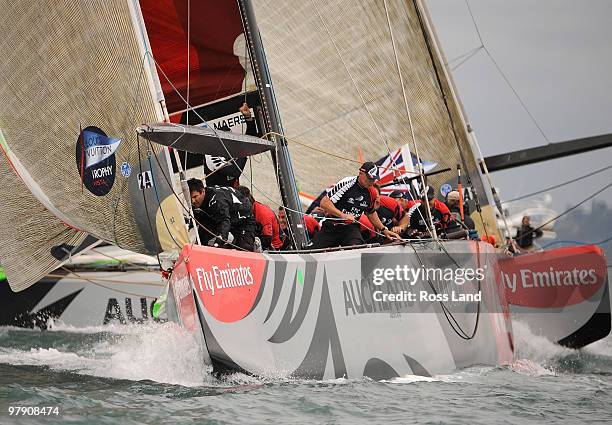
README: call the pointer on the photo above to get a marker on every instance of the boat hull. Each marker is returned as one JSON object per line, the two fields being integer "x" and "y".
{"x": 316, "y": 315}
{"x": 562, "y": 294}
{"x": 81, "y": 299}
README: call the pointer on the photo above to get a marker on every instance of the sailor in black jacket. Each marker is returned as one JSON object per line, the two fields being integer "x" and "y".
{"x": 220, "y": 211}
{"x": 344, "y": 203}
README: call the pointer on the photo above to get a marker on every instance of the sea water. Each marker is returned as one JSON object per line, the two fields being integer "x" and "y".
{"x": 151, "y": 374}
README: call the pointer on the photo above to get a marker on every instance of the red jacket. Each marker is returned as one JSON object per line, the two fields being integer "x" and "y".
{"x": 268, "y": 222}
{"x": 312, "y": 225}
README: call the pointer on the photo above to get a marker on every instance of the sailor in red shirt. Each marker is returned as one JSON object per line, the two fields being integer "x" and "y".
{"x": 440, "y": 214}
{"x": 312, "y": 225}
{"x": 389, "y": 212}
{"x": 408, "y": 205}
{"x": 267, "y": 222}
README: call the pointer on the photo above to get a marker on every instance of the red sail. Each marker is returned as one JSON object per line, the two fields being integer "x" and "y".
{"x": 215, "y": 71}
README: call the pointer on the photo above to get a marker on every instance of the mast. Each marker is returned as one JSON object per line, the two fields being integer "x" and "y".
{"x": 272, "y": 120}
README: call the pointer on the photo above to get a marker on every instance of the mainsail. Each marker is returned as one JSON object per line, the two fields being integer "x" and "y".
{"x": 75, "y": 82}
{"x": 334, "y": 68}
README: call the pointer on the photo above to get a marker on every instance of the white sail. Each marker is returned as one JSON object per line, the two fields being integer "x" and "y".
{"x": 75, "y": 83}
{"x": 334, "y": 66}
{"x": 29, "y": 231}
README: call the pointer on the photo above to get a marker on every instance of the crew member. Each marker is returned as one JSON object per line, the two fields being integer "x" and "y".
{"x": 440, "y": 214}
{"x": 312, "y": 226}
{"x": 389, "y": 212}
{"x": 219, "y": 211}
{"x": 268, "y": 229}
{"x": 526, "y": 234}
{"x": 409, "y": 207}
{"x": 452, "y": 202}
{"x": 344, "y": 204}
{"x": 221, "y": 172}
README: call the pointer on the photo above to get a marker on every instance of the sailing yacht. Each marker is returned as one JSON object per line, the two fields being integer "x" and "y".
{"x": 113, "y": 89}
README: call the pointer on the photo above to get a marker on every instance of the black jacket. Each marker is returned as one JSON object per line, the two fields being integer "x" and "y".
{"x": 226, "y": 210}
{"x": 525, "y": 235}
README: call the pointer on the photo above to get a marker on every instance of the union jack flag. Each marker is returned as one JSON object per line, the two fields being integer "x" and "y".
{"x": 394, "y": 166}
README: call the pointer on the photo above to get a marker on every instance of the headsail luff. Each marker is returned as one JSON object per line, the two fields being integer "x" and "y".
{"x": 334, "y": 71}
{"x": 67, "y": 68}
{"x": 29, "y": 230}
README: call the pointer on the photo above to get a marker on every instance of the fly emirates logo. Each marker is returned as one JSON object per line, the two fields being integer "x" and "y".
{"x": 218, "y": 278}
{"x": 531, "y": 279}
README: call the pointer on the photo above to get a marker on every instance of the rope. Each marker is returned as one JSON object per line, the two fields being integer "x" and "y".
{"x": 578, "y": 243}
{"x": 437, "y": 72}
{"x": 380, "y": 133}
{"x": 502, "y": 73}
{"x": 133, "y": 294}
{"x": 558, "y": 185}
{"x": 465, "y": 57}
{"x": 450, "y": 318}
{"x": 416, "y": 149}
{"x": 568, "y": 210}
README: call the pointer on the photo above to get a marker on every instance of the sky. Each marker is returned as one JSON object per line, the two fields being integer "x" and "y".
{"x": 556, "y": 56}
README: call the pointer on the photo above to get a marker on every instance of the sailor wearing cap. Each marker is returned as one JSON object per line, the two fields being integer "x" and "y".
{"x": 408, "y": 205}
{"x": 440, "y": 213}
{"x": 344, "y": 203}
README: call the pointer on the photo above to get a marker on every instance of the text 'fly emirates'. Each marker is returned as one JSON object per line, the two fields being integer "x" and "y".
{"x": 221, "y": 278}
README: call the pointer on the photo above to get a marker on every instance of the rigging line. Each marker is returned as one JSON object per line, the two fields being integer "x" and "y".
{"x": 427, "y": 40}
{"x": 416, "y": 150}
{"x": 380, "y": 133}
{"x": 503, "y": 74}
{"x": 463, "y": 55}
{"x": 568, "y": 210}
{"x": 188, "y": 60}
{"x": 232, "y": 160}
{"x": 466, "y": 59}
{"x": 189, "y": 212}
{"x": 578, "y": 243}
{"x": 558, "y": 185}
{"x": 133, "y": 294}
{"x": 297, "y": 142}
{"x": 460, "y": 332}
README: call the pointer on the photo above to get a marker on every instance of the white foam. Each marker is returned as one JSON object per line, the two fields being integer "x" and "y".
{"x": 534, "y": 352}
{"x": 535, "y": 347}
{"x": 116, "y": 328}
{"x": 603, "y": 347}
{"x": 162, "y": 353}
{"x": 411, "y": 379}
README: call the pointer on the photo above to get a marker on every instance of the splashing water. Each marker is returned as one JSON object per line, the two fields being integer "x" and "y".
{"x": 157, "y": 352}
{"x": 153, "y": 373}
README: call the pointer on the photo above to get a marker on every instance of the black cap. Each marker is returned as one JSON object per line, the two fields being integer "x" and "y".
{"x": 431, "y": 193}
{"x": 370, "y": 169}
{"x": 400, "y": 194}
